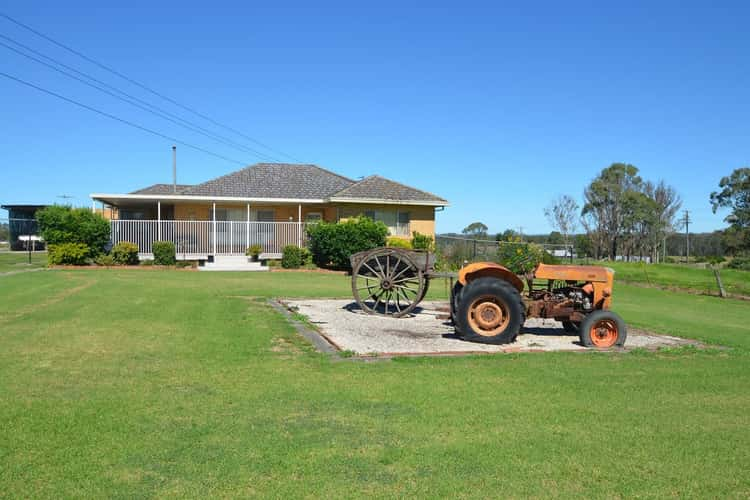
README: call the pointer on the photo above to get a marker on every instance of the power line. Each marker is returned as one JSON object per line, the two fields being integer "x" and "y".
{"x": 143, "y": 86}
{"x": 121, "y": 120}
{"x": 133, "y": 101}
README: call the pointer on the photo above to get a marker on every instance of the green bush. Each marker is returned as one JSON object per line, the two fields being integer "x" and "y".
{"x": 332, "y": 244}
{"x": 291, "y": 257}
{"x": 715, "y": 259}
{"x": 164, "y": 253}
{"x": 306, "y": 257}
{"x": 104, "y": 260}
{"x": 396, "y": 242}
{"x": 741, "y": 263}
{"x": 62, "y": 224}
{"x": 68, "y": 253}
{"x": 421, "y": 241}
{"x": 519, "y": 256}
{"x": 147, "y": 262}
{"x": 125, "y": 253}
{"x": 254, "y": 251}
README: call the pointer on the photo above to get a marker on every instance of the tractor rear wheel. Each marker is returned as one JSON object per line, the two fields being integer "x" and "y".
{"x": 602, "y": 329}
{"x": 490, "y": 311}
{"x": 455, "y": 300}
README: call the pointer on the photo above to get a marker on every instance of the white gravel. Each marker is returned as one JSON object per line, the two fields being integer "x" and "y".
{"x": 345, "y": 326}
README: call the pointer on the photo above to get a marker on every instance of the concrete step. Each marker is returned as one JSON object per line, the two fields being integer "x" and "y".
{"x": 208, "y": 267}
{"x": 231, "y": 263}
{"x": 233, "y": 259}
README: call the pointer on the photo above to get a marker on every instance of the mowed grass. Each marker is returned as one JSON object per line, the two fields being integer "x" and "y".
{"x": 132, "y": 383}
{"x": 19, "y": 261}
{"x": 681, "y": 276}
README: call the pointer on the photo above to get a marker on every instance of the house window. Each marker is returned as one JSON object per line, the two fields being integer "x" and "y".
{"x": 313, "y": 217}
{"x": 396, "y": 220}
{"x": 231, "y": 214}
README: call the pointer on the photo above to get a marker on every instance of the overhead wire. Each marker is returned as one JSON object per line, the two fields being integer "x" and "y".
{"x": 134, "y": 101}
{"x": 143, "y": 86}
{"x": 121, "y": 120}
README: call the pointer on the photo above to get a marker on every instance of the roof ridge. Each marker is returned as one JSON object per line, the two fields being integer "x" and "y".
{"x": 389, "y": 180}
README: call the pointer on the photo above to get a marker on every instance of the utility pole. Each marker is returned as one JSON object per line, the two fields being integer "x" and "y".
{"x": 520, "y": 232}
{"x": 686, "y": 221}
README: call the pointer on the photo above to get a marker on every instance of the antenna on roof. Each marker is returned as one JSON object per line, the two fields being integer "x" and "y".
{"x": 174, "y": 169}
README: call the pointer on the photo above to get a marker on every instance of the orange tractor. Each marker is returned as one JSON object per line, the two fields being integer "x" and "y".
{"x": 489, "y": 303}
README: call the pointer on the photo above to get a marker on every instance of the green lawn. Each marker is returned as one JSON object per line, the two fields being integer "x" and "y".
{"x": 681, "y": 276}
{"x": 133, "y": 383}
{"x": 19, "y": 261}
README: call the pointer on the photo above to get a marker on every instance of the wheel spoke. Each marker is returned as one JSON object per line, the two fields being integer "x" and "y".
{"x": 372, "y": 270}
{"x": 406, "y": 289}
{"x": 406, "y": 268}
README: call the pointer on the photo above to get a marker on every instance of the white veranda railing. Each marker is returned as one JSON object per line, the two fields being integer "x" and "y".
{"x": 194, "y": 238}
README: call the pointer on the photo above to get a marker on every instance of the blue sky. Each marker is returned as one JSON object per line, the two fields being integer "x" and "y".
{"x": 498, "y": 108}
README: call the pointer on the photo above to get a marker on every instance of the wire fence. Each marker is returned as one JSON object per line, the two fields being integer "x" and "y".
{"x": 455, "y": 251}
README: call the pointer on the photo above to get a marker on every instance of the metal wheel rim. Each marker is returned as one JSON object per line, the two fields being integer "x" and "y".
{"x": 603, "y": 333}
{"x": 488, "y": 316}
{"x": 388, "y": 283}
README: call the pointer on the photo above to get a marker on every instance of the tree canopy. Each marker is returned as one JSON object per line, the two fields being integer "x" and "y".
{"x": 475, "y": 230}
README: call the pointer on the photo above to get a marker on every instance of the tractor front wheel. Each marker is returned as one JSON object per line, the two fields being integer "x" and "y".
{"x": 490, "y": 311}
{"x": 602, "y": 329}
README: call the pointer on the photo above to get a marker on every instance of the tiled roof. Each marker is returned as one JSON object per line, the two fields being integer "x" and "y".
{"x": 274, "y": 180}
{"x": 298, "y": 182}
{"x": 162, "y": 189}
{"x": 375, "y": 187}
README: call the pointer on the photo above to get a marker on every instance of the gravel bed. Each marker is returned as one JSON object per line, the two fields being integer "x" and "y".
{"x": 345, "y": 326}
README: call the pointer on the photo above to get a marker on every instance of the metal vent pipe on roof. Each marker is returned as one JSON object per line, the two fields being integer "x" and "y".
{"x": 174, "y": 169}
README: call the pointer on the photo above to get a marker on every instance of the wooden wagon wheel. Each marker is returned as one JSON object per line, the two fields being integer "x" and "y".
{"x": 387, "y": 281}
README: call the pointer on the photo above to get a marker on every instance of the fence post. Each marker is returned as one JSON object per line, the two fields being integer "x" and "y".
{"x": 247, "y": 228}
{"x": 158, "y": 220}
{"x": 722, "y": 293}
{"x": 214, "y": 228}
{"x": 299, "y": 225}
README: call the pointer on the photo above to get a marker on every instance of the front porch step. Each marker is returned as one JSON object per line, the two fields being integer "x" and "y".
{"x": 232, "y": 263}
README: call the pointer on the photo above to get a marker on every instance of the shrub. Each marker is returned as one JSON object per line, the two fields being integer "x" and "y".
{"x": 332, "y": 244}
{"x": 291, "y": 257}
{"x": 421, "y": 241}
{"x": 147, "y": 262}
{"x": 715, "y": 259}
{"x": 398, "y": 242}
{"x": 164, "y": 253}
{"x": 68, "y": 253}
{"x": 125, "y": 253}
{"x": 254, "y": 250}
{"x": 62, "y": 224}
{"x": 306, "y": 257}
{"x": 741, "y": 263}
{"x": 519, "y": 256}
{"x": 104, "y": 260}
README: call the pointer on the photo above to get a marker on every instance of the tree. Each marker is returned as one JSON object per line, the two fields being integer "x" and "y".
{"x": 475, "y": 230}
{"x": 63, "y": 224}
{"x": 555, "y": 238}
{"x": 562, "y": 214}
{"x": 735, "y": 195}
{"x": 507, "y": 235}
{"x": 666, "y": 204}
{"x": 604, "y": 210}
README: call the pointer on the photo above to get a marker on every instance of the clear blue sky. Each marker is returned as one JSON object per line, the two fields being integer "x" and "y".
{"x": 496, "y": 108}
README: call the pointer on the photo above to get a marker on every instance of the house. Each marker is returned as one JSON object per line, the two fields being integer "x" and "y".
{"x": 267, "y": 204}
{"x": 23, "y": 228}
